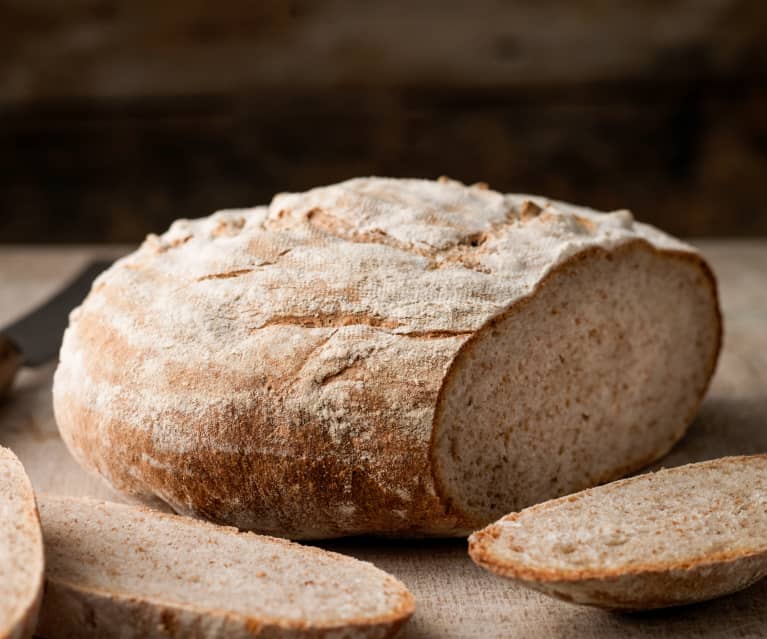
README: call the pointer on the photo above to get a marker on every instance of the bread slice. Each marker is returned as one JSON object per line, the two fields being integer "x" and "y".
{"x": 382, "y": 356}
{"x": 21, "y": 551}
{"x": 662, "y": 539}
{"x": 124, "y": 571}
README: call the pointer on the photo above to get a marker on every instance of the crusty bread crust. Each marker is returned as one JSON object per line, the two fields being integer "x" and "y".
{"x": 22, "y": 516}
{"x": 280, "y": 369}
{"x": 72, "y": 608}
{"x": 640, "y": 586}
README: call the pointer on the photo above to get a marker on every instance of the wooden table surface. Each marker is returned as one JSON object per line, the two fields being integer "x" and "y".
{"x": 455, "y": 598}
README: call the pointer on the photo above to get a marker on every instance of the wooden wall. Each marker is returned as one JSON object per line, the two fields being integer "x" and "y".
{"x": 117, "y": 117}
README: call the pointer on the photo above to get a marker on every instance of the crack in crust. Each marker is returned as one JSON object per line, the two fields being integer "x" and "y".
{"x": 329, "y": 320}
{"x": 338, "y": 320}
{"x": 242, "y": 271}
{"x": 465, "y": 253}
{"x": 225, "y": 275}
{"x": 159, "y": 245}
{"x": 344, "y": 372}
{"x": 296, "y": 374}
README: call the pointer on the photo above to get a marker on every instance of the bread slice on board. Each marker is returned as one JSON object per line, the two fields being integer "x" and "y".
{"x": 21, "y": 551}
{"x": 669, "y": 538}
{"x": 399, "y": 357}
{"x": 124, "y": 571}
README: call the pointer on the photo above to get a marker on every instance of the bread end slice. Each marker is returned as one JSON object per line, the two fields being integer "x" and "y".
{"x": 670, "y": 538}
{"x": 21, "y": 551}
{"x": 125, "y": 571}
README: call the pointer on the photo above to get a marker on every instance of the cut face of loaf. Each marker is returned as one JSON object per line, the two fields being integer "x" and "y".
{"x": 121, "y": 571}
{"x": 595, "y": 375}
{"x": 21, "y": 551}
{"x": 669, "y": 538}
{"x": 399, "y": 357}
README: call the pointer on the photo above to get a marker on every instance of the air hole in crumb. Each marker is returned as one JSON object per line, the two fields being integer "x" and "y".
{"x": 476, "y": 239}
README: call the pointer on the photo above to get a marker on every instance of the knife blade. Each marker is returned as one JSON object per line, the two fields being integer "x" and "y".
{"x": 35, "y": 338}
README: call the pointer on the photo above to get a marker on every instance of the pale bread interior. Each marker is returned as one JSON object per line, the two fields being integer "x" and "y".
{"x": 707, "y": 512}
{"x": 594, "y": 376}
{"x": 21, "y": 554}
{"x": 124, "y": 551}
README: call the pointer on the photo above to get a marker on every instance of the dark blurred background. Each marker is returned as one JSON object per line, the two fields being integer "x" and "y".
{"x": 117, "y": 117}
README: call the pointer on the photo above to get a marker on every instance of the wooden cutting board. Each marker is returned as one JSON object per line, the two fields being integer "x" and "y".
{"x": 455, "y": 598}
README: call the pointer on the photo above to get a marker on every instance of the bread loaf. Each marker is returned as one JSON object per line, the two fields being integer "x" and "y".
{"x": 122, "y": 572}
{"x": 21, "y": 551}
{"x": 662, "y": 539}
{"x": 401, "y": 357}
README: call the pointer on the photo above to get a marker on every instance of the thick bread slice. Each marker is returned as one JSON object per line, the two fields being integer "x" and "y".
{"x": 21, "y": 551}
{"x": 124, "y": 571}
{"x": 662, "y": 539}
{"x": 400, "y": 357}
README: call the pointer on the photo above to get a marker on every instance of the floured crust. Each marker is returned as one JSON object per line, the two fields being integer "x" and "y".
{"x": 642, "y": 585}
{"x": 279, "y": 368}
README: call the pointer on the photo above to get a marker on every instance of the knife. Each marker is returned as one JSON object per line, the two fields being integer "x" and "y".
{"x": 35, "y": 339}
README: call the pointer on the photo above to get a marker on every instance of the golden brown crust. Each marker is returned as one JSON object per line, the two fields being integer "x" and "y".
{"x": 662, "y": 589}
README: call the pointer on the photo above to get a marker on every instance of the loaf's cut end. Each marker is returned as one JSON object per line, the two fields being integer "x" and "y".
{"x": 21, "y": 551}
{"x": 670, "y": 538}
{"x": 595, "y": 374}
{"x": 115, "y": 571}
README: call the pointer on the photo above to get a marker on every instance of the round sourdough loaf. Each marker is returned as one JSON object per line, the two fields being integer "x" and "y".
{"x": 402, "y": 357}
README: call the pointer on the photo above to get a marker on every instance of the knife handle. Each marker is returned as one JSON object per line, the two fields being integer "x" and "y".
{"x": 10, "y": 362}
